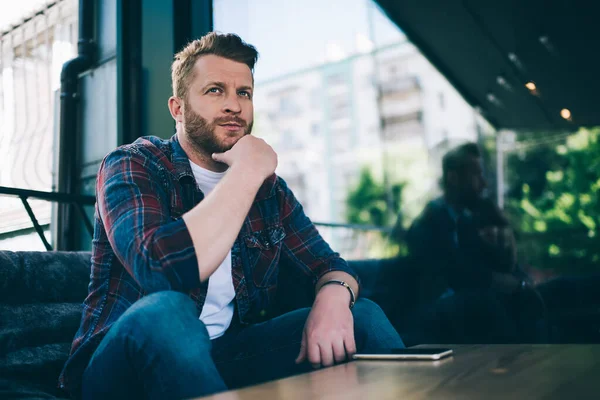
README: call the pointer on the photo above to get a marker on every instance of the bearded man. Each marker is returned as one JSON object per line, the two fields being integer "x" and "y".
{"x": 190, "y": 236}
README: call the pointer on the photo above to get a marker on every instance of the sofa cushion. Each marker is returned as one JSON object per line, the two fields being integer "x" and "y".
{"x": 43, "y": 277}
{"x": 41, "y": 295}
{"x": 32, "y": 372}
{"x": 29, "y": 325}
{"x": 17, "y": 389}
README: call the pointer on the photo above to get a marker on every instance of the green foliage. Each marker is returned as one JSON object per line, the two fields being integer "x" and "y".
{"x": 555, "y": 202}
{"x": 366, "y": 204}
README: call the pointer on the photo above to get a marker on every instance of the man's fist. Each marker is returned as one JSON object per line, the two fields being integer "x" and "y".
{"x": 252, "y": 154}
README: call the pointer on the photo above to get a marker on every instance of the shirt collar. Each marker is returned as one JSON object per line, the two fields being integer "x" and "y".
{"x": 180, "y": 160}
{"x": 455, "y": 214}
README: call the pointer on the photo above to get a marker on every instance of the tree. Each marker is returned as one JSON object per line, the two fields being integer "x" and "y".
{"x": 366, "y": 203}
{"x": 555, "y": 202}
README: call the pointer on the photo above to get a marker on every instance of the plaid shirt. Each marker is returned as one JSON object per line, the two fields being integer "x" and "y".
{"x": 141, "y": 244}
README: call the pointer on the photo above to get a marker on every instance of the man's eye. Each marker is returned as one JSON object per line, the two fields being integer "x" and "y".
{"x": 245, "y": 93}
{"x": 214, "y": 90}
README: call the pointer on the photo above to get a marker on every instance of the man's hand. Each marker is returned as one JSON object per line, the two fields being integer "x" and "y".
{"x": 505, "y": 283}
{"x": 503, "y": 240}
{"x": 215, "y": 222}
{"x": 328, "y": 335}
{"x": 250, "y": 154}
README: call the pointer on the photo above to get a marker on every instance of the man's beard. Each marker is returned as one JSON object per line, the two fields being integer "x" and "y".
{"x": 202, "y": 135}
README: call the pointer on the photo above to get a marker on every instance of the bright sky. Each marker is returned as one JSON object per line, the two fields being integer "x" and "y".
{"x": 12, "y": 12}
{"x": 289, "y": 35}
{"x": 295, "y": 34}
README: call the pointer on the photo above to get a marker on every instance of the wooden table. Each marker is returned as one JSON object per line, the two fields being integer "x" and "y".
{"x": 474, "y": 372}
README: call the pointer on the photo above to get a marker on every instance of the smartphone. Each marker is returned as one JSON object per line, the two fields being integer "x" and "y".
{"x": 404, "y": 354}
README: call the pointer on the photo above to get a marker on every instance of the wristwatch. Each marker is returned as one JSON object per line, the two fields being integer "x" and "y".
{"x": 523, "y": 285}
{"x": 344, "y": 284}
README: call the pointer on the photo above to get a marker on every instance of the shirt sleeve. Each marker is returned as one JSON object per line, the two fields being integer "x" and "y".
{"x": 303, "y": 246}
{"x": 133, "y": 206}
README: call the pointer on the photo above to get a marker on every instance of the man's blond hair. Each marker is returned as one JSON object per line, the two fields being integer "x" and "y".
{"x": 228, "y": 46}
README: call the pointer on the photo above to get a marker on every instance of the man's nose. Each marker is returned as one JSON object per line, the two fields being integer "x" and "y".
{"x": 232, "y": 104}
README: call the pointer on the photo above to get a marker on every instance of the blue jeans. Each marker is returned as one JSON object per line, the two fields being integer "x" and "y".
{"x": 159, "y": 349}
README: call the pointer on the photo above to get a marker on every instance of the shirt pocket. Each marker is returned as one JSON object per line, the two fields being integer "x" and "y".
{"x": 263, "y": 253}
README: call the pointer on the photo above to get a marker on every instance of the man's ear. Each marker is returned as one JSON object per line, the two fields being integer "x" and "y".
{"x": 176, "y": 108}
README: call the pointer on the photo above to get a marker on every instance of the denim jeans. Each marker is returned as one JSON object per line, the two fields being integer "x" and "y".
{"x": 159, "y": 349}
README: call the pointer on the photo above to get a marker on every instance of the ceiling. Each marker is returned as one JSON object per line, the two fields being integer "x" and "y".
{"x": 490, "y": 49}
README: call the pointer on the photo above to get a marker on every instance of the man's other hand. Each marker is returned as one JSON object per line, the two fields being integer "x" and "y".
{"x": 328, "y": 335}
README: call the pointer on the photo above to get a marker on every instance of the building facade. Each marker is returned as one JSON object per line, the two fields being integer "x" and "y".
{"x": 383, "y": 109}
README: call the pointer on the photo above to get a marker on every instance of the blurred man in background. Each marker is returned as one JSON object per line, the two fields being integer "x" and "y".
{"x": 470, "y": 289}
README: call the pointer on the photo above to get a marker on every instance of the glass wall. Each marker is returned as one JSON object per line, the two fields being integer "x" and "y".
{"x": 341, "y": 91}
{"x": 361, "y": 120}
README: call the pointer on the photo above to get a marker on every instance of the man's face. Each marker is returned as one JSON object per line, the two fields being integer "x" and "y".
{"x": 471, "y": 182}
{"x": 218, "y": 110}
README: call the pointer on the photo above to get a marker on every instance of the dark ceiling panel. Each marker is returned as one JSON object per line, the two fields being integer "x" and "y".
{"x": 478, "y": 43}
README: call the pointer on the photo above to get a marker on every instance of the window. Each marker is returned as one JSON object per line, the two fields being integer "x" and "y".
{"x": 341, "y": 140}
{"x": 321, "y": 81}
{"x": 403, "y": 126}
{"x": 33, "y": 51}
{"x": 286, "y": 105}
{"x": 340, "y": 107}
{"x": 289, "y": 141}
{"x": 314, "y": 129}
{"x": 351, "y": 68}
{"x": 335, "y": 80}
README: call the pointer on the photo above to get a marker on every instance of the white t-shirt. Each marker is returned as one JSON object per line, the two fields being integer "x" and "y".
{"x": 218, "y": 307}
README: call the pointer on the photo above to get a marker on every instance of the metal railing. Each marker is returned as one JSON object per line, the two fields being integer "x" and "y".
{"x": 356, "y": 242}
{"x": 31, "y": 55}
{"x": 352, "y": 241}
{"x": 78, "y": 201}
